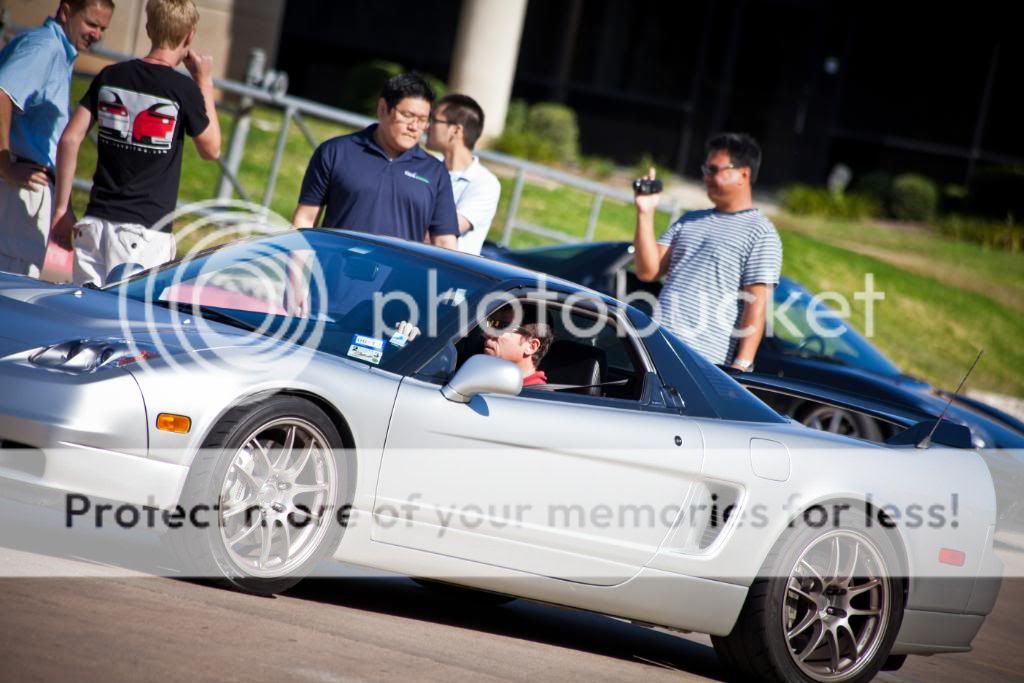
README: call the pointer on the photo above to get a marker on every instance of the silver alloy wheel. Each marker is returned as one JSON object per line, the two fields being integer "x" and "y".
{"x": 835, "y": 420}
{"x": 277, "y": 497}
{"x": 837, "y": 606}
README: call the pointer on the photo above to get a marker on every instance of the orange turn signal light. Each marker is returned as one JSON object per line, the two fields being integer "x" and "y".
{"x": 179, "y": 424}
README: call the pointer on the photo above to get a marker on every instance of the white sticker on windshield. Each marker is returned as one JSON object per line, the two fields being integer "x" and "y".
{"x": 368, "y": 342}
{"x": 363, "y": 353}
{"x": 453, "y": 297}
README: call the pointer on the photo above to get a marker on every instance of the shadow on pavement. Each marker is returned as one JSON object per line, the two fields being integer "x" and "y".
{"x": 522, "y": 619}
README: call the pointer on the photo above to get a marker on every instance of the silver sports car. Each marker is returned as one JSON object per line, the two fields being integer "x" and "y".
{"x": 284, "y": 399}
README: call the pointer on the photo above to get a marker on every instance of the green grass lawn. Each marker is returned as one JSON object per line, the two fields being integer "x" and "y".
{"x": 929, "y": 328}
{"x": 996, "y": 274}
{"x": 944, "y": 299}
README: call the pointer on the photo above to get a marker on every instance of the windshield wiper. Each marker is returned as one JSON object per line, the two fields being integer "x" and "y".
{"x": 209, "y": 312}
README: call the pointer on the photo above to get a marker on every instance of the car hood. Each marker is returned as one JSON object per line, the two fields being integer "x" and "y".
{"x": 34, "y": 314}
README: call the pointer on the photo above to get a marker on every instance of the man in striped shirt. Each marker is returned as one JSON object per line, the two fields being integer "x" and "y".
{"x": 720, "y": 265}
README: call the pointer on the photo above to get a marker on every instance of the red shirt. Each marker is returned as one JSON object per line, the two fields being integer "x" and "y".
{"x": 536, "y": 378}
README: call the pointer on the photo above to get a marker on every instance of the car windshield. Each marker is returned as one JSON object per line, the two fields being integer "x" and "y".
{"x": 339, "y": 293}
{"x": 805, "y": 326}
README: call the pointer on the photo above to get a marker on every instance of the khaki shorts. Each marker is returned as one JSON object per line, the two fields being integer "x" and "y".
{"x": 100, "y": 245}
{"x": 24, "y": 228}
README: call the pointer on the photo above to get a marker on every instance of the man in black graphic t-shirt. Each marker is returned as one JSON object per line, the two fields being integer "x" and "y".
{"x": 144, "y": 109}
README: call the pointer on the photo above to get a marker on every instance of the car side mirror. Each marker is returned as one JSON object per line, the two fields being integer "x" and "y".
{"x": 483, "y": 374}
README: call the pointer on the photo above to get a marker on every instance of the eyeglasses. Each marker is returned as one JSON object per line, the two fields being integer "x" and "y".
{"x": 434, "y": 119}
{"x": 715, "y": 169}
{"x": 407, "y": 116}
{"x": 496, "y": 327}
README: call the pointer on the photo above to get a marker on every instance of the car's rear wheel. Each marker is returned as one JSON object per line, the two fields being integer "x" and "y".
{"x": 274, "y": 477}
{"x": 839, "y": 421}
{"x": 828, "y": 609}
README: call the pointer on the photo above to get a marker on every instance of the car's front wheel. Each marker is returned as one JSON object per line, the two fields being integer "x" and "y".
{"x": 828, "y": 609}
{"x": 274, "y": 476}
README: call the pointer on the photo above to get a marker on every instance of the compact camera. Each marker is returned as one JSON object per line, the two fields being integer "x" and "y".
{"x": 647, "y": 186}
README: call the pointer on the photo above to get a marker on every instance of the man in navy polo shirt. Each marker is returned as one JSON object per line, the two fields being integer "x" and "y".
{"x": 379, "y": 180}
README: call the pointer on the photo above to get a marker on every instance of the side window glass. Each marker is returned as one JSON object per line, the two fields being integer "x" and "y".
{"x": 589, "y": 351}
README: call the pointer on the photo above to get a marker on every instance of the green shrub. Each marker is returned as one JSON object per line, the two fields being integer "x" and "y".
{"x": 526, "y": 146}
{"x": 515, "y": 120}
{"x": 857, "y": 206}
{"x": 914, "y": 198}
{"x": 997, "y": 193}
{"x": 994, "y": 235}
{"x": 876, "y": 184}
{"x": 556, "y": 125}
{"x": 597, "y": 167}
{"x": 544, "y": 132}
{"x": 644, "y": 164}
{"x": 805, "y": 200}
{"x": 953, "y": 199}
{"x": 360, "y": 89}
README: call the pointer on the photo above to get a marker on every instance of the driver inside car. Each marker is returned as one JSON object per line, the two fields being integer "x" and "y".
{"x": 522, "y": 340}
{"x": 524, "y": 344}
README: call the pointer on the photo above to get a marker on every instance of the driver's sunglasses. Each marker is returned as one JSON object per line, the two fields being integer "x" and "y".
{"x": 497, "y": 327}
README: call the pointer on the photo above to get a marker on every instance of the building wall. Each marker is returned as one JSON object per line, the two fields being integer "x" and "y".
{"x": 228, "y": 29}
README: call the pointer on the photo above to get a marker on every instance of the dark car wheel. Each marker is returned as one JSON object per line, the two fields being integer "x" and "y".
{"x": 839, "y": 421}
{"x": 828, "y": 607}
{"x": 274, "y": 476}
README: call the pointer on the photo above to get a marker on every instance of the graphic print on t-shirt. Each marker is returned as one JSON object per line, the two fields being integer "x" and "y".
{"x": 136, "y": 120}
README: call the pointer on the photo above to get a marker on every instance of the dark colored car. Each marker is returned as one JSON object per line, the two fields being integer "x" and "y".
{"x": 795, "y": 367}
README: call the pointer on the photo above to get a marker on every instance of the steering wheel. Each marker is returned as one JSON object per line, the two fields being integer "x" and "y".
{"x": 810, "y": 340}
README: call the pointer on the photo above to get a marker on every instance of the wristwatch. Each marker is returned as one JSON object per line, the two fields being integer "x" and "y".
{"x": 744, "y": 365}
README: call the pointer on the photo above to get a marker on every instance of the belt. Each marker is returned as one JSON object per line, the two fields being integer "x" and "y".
{"x": 46, "y": 169}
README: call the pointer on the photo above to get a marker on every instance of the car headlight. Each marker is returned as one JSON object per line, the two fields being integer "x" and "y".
{"x": 88, "y": 355}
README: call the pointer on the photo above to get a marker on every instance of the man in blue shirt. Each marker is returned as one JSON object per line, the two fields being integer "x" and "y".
{"x": 35, "y": 88}
{"x": 379, "y": 180}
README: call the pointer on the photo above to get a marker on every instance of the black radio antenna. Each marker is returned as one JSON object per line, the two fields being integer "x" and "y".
{"x": 927, "y": 440}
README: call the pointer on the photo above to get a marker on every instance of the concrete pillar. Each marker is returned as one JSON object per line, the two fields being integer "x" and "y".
{"x": 484, "y": 60}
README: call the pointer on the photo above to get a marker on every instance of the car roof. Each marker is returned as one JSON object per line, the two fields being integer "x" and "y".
{"x": 496, "y": 270}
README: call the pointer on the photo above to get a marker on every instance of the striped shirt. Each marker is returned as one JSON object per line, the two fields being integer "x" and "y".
{"x": 713, "y": 256}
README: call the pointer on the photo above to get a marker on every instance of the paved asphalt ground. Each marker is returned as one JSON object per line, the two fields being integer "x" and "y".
{"x": 97, "y": 623}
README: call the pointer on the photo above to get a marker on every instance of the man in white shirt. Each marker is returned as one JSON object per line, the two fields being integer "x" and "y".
{"x": 455, "y": 126}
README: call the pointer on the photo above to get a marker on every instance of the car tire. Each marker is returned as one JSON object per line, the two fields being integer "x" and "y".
{"x": 809, "y": 617}
{"x": 273, "y": 478}
{"x": 838, "y": 421}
